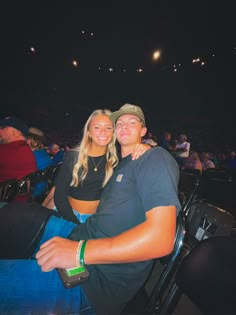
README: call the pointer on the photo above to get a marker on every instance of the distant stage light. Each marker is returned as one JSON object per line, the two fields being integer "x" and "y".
{"x": 156, "y": 55}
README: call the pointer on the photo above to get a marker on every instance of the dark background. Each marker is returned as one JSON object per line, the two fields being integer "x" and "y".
{"x": 43, "y": 86}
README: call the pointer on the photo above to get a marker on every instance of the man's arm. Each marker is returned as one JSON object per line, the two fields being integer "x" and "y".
{"x": 151, "y": 239}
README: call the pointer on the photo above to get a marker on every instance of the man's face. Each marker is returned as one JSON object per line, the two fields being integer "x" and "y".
{"x": 7, "y": 134}
{"x": 129, "y": 130}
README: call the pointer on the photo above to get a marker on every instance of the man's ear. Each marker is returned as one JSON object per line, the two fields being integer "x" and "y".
{"x": 144, "y": 131}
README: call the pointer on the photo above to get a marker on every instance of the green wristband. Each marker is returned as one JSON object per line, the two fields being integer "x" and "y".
{"x": 81, "y": 254}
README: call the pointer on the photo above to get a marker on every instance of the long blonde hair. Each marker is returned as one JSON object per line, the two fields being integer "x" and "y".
{"x": 83, "y": 149}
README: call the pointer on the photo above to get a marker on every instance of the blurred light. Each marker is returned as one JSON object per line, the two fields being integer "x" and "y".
{"x": 140, "y": 70}
{"x": 196, "y": 60}
{"x": 156, "y": 54}
{"x": 75, "y": 63}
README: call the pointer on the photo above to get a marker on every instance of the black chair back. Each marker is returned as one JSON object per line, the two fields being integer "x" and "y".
{"x": 28, "y": 183}
{"x": 9, "y": 190}
{"x": 207, "y": 277}
{"x": 21, "y": 227}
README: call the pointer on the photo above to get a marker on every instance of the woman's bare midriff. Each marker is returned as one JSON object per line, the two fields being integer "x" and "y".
{"x": 83, "y": 206}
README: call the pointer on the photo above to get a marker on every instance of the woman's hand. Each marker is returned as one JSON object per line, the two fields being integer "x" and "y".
{"x": 139, "y": 150}
{"x": 49, "y": 200}
{"x": 57, "y": 252}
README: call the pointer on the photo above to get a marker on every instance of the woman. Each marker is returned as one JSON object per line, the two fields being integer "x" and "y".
{"x": 86, "y": 169}
{"x": 35, "y": 139}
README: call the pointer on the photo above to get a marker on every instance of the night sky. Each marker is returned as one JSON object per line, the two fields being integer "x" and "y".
{"x": 72, "y": 57}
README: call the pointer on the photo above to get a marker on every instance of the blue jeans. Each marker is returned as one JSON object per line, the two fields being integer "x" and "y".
{"x": 25, "y": 289}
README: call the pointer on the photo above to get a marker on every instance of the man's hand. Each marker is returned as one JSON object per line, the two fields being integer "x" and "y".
{"x": 57, "y": 252}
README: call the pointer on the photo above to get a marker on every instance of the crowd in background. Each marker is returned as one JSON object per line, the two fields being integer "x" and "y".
{"x": 206, "y": 146}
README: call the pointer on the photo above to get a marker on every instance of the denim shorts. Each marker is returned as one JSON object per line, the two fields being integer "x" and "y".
{"x": 82, "y": 217}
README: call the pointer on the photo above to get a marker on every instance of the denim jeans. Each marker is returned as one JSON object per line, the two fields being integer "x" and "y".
{"x": 26, "y": 290}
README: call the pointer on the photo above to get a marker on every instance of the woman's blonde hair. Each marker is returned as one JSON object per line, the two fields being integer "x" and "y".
{"x": 83, "y": 149}
{"x": 35, "y": 142}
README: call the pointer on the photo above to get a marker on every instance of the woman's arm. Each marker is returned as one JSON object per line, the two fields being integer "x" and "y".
{"x": 49, "y": 200}
{"x": 62, "y": 185}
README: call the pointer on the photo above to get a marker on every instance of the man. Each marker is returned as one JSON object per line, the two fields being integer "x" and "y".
{"x": 165, "y": 141}
{"x": 16, "y": 158}
{"x": 182, "y": 149}
{"x": 56, "y": 153}
{"x": 135, "y": 223}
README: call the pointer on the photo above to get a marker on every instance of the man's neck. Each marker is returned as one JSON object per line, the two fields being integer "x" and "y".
{"x": 16, "y": 139}
{"x": 127, "y": 150}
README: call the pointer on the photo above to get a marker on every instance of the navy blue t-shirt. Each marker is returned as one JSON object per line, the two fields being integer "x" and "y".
{"x": 136, "y": 187}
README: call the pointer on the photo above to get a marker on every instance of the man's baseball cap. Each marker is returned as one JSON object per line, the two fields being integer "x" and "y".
{"x": 15, "y": 123}
{"x": 128, "y": 109}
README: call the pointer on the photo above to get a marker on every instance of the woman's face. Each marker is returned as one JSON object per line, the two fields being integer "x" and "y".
{"x": 101, "y": 130}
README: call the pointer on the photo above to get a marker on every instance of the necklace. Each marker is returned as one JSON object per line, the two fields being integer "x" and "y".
{"x": 96, "y": 165}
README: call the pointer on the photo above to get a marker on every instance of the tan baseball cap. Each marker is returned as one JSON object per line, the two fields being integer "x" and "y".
{"x": 36, "y": 131}
{"x": 128, "y": 109}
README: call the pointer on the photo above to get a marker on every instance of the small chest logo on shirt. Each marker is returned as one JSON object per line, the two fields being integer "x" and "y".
{"x": 119, "y": 177}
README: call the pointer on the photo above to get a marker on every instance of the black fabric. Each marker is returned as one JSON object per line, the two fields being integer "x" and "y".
{"x": 207, "y": 275}
{"x": 21, "y": 226}
{"x": 89, "y": 189}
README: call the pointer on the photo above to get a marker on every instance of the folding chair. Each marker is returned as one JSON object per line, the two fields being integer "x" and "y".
{"x": 8, "y": 190}
{"x": 188, "y": 188}
{"x": 21, "y": 227}
{"x": 208, "y": 218}
{"x": 207, "y": 277}
{"x": 30, "y": 181}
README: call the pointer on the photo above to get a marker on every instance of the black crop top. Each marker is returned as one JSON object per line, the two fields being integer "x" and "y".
{"x": 90, "y": 189}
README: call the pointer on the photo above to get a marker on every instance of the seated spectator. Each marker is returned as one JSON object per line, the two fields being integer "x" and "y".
{"x": 231, "y": 163}
{"x": 36, "y": 140}
{"x": 16, "y": 158}
{"x": 182, "y": 149}
{"x": 192, "y": 162}
{"x": 206, "y": 161}
{"x": 165, "y": 142}
{"x": 150, "y": 139}
{"x": 56, "y": 153}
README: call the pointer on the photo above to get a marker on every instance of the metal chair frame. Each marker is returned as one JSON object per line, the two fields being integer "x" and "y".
{"x": 47, "y": 175}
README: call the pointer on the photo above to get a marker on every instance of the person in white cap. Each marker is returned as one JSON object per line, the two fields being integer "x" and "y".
{"x": 135, "y": 223}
